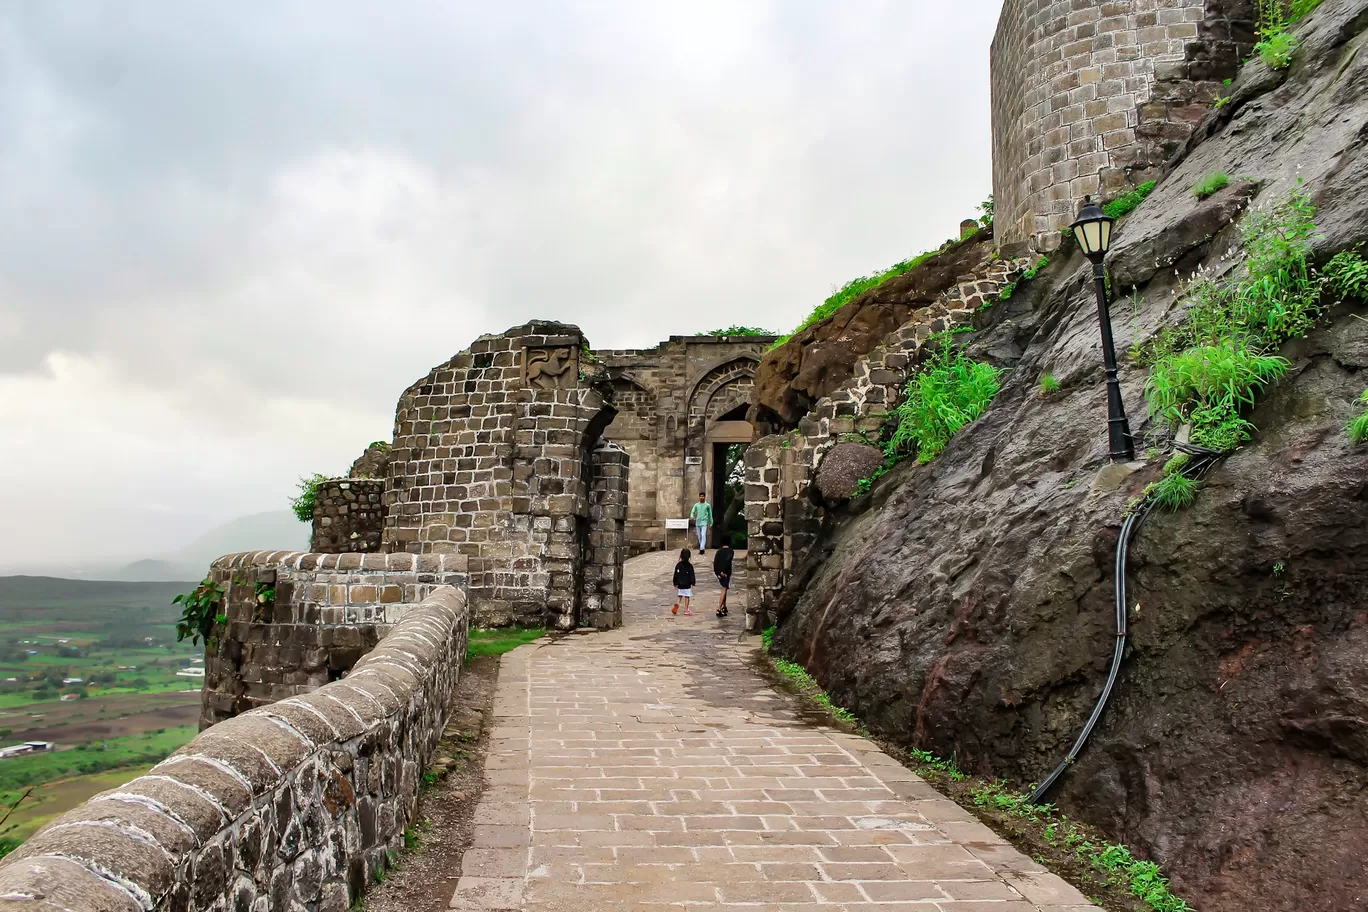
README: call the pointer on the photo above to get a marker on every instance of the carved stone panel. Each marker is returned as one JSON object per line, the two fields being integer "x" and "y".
{"x": 550, "y": 367}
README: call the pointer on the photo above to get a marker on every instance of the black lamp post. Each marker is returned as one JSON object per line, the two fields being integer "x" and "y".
{"x": 1093, "y": 230}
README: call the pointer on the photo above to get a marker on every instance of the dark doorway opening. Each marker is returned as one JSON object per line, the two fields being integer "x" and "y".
{"x": 729, "y": 495}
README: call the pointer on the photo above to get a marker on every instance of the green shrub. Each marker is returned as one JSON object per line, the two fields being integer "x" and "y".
{"x": 1277, "y": 49}
{"x": 948, "y": 392}
{"x": 1357, "y": 429}
{"x": 1048, "y": 385}
{"x": 303, "y": 503}
{"x": 1127, "y": 203}
{"x": 1216, "y": 180}
{"x": 1346, "y": 275}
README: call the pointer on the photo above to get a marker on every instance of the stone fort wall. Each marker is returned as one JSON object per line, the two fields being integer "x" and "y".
{"x": 291, "y": 806}
{"x": 1092, "y": 98}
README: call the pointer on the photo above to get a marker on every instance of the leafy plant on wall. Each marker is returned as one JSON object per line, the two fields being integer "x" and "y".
{"x": 200, "y": 612}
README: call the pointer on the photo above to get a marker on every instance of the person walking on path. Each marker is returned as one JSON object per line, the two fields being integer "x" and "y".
{"x": 722, "y": 566}
{"x": 702, "y": 517}
{"x": 683, "y": 582}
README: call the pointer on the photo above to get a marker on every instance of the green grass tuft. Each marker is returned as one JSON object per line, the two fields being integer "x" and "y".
{"x": 1127, "y": 203}
{"x": 496, "y": 641}
{"x": 1213, "y": 182}
{"x": 1173, "y": 492}
{"x": 1346, "y": 276}
{"x": 1048, "y": 385}
{"x": 1357, "y": 429}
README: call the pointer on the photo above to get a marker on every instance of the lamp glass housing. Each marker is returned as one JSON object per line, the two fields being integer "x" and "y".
{"x": 1093, "y": 231}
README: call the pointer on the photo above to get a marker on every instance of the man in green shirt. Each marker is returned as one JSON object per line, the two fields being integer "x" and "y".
{"x": 702, "y": 517}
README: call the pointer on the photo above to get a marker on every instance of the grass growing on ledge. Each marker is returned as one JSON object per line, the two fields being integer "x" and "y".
{"x": 1213, "y": 182}
{"x": 1127, "y": 203}
{"x": 1101, "y": 865}
{"x": 949, "y": 392}
{"x": 498, "y": 640}
{"x": 1357, "y": 429}
{"x": 804, "y": 682}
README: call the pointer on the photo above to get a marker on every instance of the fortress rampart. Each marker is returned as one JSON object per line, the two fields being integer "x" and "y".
{"x": 1092, "y": 98}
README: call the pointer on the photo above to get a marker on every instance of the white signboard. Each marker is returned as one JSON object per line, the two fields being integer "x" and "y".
{"x": 677, "y": 523}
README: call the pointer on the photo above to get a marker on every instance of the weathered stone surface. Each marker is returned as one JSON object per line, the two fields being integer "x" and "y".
{"x": 373, "y": 463}
{"x": 969, "y": 608}
{"x": 841, "y": 469}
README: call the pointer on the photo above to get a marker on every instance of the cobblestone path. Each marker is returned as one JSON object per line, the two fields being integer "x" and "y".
{"x": 654, "y": 767}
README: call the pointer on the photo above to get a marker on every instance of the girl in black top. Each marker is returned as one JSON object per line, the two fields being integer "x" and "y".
{"x": 683, "y": 582}
{"x": 722, "y": 566}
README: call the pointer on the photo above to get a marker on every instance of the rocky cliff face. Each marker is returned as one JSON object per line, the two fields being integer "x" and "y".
{"x": 966, "y": 606}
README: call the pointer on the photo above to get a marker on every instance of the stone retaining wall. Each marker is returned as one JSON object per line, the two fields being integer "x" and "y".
{"x": 782, "y": 518}
{"x": 297, "y": 621}
{"x": 349, "y": 515}
{"x": 287, "y": 807}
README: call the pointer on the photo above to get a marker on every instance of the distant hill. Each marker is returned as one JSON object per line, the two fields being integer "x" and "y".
{"x": 274, "y": 531}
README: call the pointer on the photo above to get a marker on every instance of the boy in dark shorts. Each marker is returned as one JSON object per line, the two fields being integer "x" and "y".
{"x": 722, "y": 566}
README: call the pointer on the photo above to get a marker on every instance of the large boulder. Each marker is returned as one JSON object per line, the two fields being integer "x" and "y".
{"x": 843, "y": 467}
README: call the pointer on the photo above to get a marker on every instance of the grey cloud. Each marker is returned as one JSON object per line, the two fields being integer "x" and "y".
{"x": 254, "y": 208}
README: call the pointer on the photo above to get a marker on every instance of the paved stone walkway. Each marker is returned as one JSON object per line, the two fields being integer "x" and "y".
{"x": 654, "y": 768}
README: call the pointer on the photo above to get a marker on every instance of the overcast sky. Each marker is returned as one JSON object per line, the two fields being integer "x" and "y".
{"x": 232, "y": 233}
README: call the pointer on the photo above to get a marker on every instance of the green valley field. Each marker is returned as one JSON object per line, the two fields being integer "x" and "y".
{"x": 128, "y": 709}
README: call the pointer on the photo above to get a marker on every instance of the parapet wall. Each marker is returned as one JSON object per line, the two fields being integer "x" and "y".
{"x": 288, "y": 807}
{"x": 1092, "y": 98}
{"x": 297, "y": 621}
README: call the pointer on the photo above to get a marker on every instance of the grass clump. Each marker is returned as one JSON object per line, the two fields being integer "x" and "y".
{"x": 1128, "y": 202}
{"x": 1277, "y": 45}
{"x": 1346, "y": 275}
{"x": 1048, "y": 385}
{"x": 803, "y": 682}
{"x": 948, "y": 393}
{"x": 496, "y": 641}
{"x": 1216, "y": 180}
{"x": 1357, "y": 429}
{"x": 1010, "y": 288}
{"x": 1207, "y": 370}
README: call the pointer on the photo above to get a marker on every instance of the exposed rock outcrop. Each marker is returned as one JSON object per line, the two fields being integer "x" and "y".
{"x": 966, "y": 606}
{"x": 815, "y": 361}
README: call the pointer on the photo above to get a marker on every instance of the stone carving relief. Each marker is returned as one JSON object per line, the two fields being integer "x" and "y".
{"x": 548, "y": 368}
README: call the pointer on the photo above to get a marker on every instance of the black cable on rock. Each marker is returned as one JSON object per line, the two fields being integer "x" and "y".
{"x": 1201, "y": 462}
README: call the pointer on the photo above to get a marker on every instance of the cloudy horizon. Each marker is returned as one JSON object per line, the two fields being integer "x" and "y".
{"x": 230, "y": 236}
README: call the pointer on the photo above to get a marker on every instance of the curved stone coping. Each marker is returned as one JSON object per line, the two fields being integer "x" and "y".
{"x": 294, "y": 804}
{"x": 306, "y": 561}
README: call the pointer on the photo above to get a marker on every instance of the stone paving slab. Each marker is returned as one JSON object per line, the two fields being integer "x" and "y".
{"x": 653, "y": 767}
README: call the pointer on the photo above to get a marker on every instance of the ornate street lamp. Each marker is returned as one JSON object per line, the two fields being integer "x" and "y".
{"x": 1093, "y": 230}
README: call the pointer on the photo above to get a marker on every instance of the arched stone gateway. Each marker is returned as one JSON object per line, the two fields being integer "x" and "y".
{"x": 676, "y": 404}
